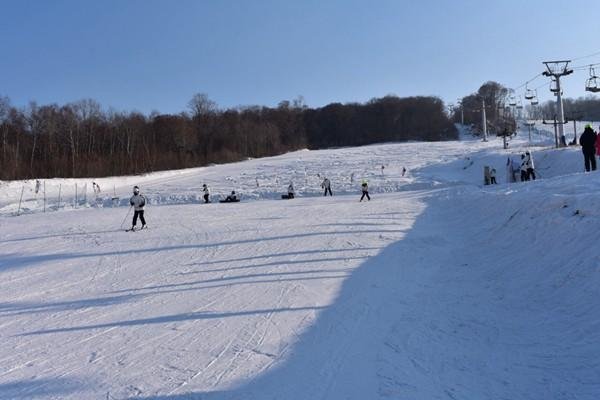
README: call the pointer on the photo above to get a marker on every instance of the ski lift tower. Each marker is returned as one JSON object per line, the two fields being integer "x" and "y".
{"x": 557, "y": 69}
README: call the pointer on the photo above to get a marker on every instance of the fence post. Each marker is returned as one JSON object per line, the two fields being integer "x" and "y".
{"x": 76, "y": 199}
{"x": 59, "y": 189}
{"x": 20, "y": 199}
{"x": 44, "y": 196}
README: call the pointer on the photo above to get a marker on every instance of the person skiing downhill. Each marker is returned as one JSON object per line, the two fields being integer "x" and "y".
{"x": 137, "y": 201}
{"x": 365, "y": 190}
{"x": 206, "y": 193}
{"x": 327, "y": 186}
{"x": 587, "y": 140}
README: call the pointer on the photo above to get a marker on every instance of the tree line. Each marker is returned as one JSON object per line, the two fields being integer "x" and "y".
{"x": 582, "y": 108}
{"x": 81, "y": 139}
{"x": 500, "y": 116}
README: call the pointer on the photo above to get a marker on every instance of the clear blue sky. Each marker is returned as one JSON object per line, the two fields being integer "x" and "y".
{"x": 154, "y": 55}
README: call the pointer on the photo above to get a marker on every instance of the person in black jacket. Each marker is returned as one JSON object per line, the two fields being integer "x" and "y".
{"x": 588, "y": 146}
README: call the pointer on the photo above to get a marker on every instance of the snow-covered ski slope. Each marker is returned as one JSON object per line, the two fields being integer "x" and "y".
{"x": 438, "y": 288}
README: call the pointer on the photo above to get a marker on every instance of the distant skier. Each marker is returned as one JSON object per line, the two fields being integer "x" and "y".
{"x": 365, "y": 190}
{"x": 493, "y": 176}
{"x": 37, "y": 186}
{"x": 403, "y": 171}
{"x": 291, "y": 191}
{"x": 529, "y": 165}
{"x": 206, "y": 193}
{"x": 137, "y": 201}
{"x": 587, "y": 140}
{"x": 96, "y": 188}
{"x": 327, "y": 186}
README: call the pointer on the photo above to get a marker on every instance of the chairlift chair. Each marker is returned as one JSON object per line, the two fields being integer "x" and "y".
{"x": 520, "y": 104}
{"x": 529, "y": 95}
{"x": 534, "y": 99}
{"x": 592, "y": 84}
{"x": 554, "y": 86}
{"x": 512, "y": 101}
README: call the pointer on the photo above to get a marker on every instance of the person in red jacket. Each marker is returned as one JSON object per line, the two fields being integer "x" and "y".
{"x": 598, "y": 145}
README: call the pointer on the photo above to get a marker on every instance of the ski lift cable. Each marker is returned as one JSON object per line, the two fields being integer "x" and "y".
{"x": 588, "y": 56}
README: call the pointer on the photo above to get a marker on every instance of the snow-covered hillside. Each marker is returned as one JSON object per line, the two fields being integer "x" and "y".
{"x": 439, "y": 287}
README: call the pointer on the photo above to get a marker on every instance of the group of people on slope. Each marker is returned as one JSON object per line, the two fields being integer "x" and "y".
{"x": 138, "y": 201}
{"x": 590, "y": 146}
{"x": 524, "y": 167}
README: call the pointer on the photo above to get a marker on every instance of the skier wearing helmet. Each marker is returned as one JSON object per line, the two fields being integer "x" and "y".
{"x": 137, "y": 201}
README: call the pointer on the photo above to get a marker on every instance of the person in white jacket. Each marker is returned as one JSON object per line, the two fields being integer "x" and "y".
{"x": 530, "y": 166}
{"x": 137, "y": 201}
{"x": 327, "y": 186}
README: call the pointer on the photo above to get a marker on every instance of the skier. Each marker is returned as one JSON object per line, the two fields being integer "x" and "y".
{"x": 206, "y": 193}
{"x": 493, "y": 176}
{"x": 137, "y": 201}
{"x": 37, "y": 186}
{"x": 587, "y": 140}
{"x": 403, "y": 171}
{"x": 291, "y": 191}
{"x": 365, "y": 190}
{"x": 327, "y": 186}
{"x": 96, "y": 188}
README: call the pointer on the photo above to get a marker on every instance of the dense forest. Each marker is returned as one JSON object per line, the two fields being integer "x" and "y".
{"x": 81, "y": 139}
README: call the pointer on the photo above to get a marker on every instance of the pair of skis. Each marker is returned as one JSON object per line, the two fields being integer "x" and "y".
{"x": 132, "y": 229}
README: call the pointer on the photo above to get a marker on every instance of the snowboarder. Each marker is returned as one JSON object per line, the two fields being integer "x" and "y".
{"x": 587, "y": 140}
{"x": 206, "y": 193}
{"x": 365, "y": 190}
{"x": 327, "y": 186}
{"x": 529, "y": 165}
{"x": 493, "y": 176}
{"x": 232, "y": 198}
{"x": 137, "y": 201}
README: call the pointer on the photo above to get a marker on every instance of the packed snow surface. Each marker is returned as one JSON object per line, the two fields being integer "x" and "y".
{"x": 437, "y": 288}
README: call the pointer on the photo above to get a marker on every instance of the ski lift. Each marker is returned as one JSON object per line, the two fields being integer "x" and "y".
{"x": 592, "y": 84}
{"x": 512, "y": 101}
{"x": 520, "y": 104}
{"x": 529, "y": 94}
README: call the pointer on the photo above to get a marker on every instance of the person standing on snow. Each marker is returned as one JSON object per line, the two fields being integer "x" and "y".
{"x": 524, "y": 176}
{"x": 598, "y": 145}
{"x": 530, "y": 166}
{"x": 365, "y": 191}
{"x": 206, "y": 193}
{"x": 327, "y": 186}
{"x": 291, "y": 191}
{"x": 137, "y": 201}
{"x": 587, "y": 140}
{"x": 493, "y": 176}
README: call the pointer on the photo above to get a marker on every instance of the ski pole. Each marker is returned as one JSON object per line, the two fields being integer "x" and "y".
{"x": 126, "y": 215}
